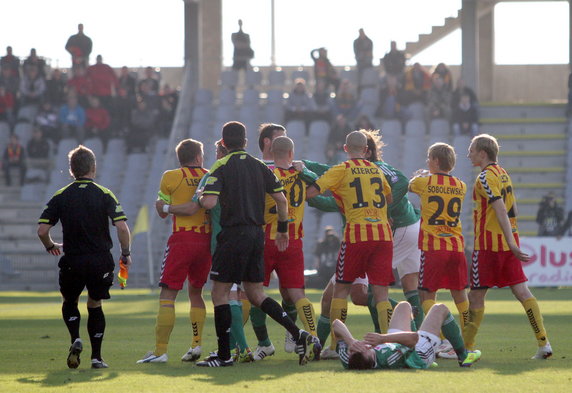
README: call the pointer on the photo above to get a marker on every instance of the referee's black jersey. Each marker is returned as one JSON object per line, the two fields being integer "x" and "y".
{"x": 84, "y": 209}
{"x": 241, "y": 182}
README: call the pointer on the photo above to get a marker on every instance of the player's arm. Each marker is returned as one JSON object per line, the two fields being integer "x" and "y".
{"x": 502, "y": 218}
{"x": 46, "y": 239}
{"x": 316, "y": 167}
{"x": 184, "y": 209}
{"x": 324, "y": 203}
{"x": 409, "y": 339}
{"x": 282, "y": 237}
{"x": 342, "y": 332}
{"x": 124, "y": 236}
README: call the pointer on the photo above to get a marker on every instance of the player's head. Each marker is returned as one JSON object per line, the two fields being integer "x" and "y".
{"x": 190, "y": 152}
{"x": 374, "y": 145}
{"x": 82, "y": 162}
{"x": 362, "y": 360}
{"x": 356, "y": 144}
{"x": 283, "y": 148}
{"x": 484, "y": 148}
{"x": 266, "y": 134}
{"x": 442, "y": 156}
{"x": 221, "y": 151}
{"x": 234, "y": 135}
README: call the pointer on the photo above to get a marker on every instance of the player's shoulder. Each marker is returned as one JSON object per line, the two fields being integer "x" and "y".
{"x": 105, "y": 191}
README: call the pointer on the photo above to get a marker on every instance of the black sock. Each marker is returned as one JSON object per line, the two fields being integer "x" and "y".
{"x": 71, "y": 316}
{"x": 274, "y": 311}
{"x": 95, "y": 329}
{"x": 223, "y": 319}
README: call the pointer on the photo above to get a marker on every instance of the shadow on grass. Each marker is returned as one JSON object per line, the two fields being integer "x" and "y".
{"x": 67, "y": 377}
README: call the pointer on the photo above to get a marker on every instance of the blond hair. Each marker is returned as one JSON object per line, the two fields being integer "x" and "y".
{"x": 488, "y": 144}
{"x": 445, "y": 155}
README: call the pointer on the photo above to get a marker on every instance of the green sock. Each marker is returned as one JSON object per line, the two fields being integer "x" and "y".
{"x": 323, "y": 329}
{"x": 236, "y": 328}
{"x": 258, "y": 319}
{"x": 373, "y": 311}
{"x": 290, "y": 309}
{"x": 451, "y": 331}
{"x": 412, "y": 298}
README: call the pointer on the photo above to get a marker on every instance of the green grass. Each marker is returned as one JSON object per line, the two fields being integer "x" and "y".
{"x": 34, "y": 344}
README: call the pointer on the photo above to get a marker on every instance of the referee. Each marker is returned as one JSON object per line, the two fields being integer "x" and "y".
{"x": 241, "y": 182}
{"x": 84, "y": 209}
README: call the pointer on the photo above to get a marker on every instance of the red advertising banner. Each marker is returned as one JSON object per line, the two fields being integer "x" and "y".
{"x": 550, "y": 264}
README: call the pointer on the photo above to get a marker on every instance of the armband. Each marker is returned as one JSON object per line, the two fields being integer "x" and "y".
{"x": 166, "y": 209}
{"x": 282, "y": 226}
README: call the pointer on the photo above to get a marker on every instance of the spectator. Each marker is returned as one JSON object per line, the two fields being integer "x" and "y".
{"x": 566, "y": 226}
{"x": 243, "y": 53}
{"x": 80, "y": 85}
{"x": 323, "y": 102}
{"x": 300, "y": 104}
{"x": 463, "y": 89}
{"x": 167, "y": 109}
{"x": 363, "y": 123}
{"x": 147, "y": 94}
{"x": 97, "y": 120}
{"x": 465, "y": 117}
{"x": 7, "y": 105}
{"x": 143, "y": 122}
{"x": 11, "y": 83}
{"x": 323, "y": 69}
{"x": 72, "y": 119}
{"x": 394, "y": 61}
{"x": 445, "y": 74}
{"x": 34, "y": 61}
{"x": 363, "y": 51}
{"x": 550, "y": 216}
{"x": 326, "y": 254}
{"x": 56, "y": 88}
{"x": 14, "y": 157}
{"x": 417, "y": 84}
{"x": 47, "y": 121}
{"x": 127, "y": 82}
{"x": 38, "y": 150}
{"x": 32, "y": 87}
{"x": 438, "y": 101}
{"x": 103, "y": 82}
{"x": 122, "y": 111}
{"x": 334, "y": 148}
{"x": 390, "y": 99}
{"x": 10, "y": 63}
{"x": 346, "y": 102}
{"x": 79, "y": 46}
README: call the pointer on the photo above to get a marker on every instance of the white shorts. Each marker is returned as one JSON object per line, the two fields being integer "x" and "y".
{"x": 357, "y": 281}
{"x": 406, "y": 253}
{"x": 425, "y": 346}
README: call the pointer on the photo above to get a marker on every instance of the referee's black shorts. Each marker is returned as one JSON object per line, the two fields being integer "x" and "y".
{"x": 239, "y": 255}
{"x": 94, "y": 271}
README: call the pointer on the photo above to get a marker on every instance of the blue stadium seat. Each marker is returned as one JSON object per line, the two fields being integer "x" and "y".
{"x": 416, "y": 111}
{"x": 369, "y": 78}
{"x": 28, "y": 113}
{"x": 64, "y": 146}
{"x": 276, "y": 78}
{"x": 391, "y": 136}
{"x": 350, "y": 75}
{"x": 203, "y": 97}
{"x": 251, "y": 97}
{"x": 296, "y": 130}
{"x": 24, "y": 131}
{"x": 439, "y": 131}
{"x": 415, "y": 128}
{"x": 227, "y": 97}
{"x": 96, "y": 145}
{"x": 318, "y": 137}
{"x": 253, "y": 78}
{"x": 276, "y": 97}
{"x": 229, "y": 78}
{"x": 300, "y": 73}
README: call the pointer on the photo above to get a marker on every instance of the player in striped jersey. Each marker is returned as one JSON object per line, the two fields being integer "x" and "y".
{"x": 497, "y": 257}
{"x": 363, "y": 194}
{"x": 187, "y": 255}
{"x": 443, "y": 262}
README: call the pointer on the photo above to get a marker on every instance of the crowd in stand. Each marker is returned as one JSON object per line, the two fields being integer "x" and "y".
{"x": 91, "y": 101}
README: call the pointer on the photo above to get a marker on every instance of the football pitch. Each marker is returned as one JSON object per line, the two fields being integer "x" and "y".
{"x": 34, "y": 345}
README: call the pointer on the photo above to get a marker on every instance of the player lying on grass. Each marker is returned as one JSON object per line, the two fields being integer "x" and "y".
{"x": 400, "y": 347}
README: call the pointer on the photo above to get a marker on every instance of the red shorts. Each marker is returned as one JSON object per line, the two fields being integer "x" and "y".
{"x": 187, "y": 255}
{"x": 289, "y": 264}
{"x": 443, "y": 270}
{"x": 371, "y": 257}
{"x": 495, "y": 269}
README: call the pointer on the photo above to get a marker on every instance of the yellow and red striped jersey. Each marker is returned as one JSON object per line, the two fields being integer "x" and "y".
{"x": 295, "y": 190}
{"x": 493, "y": 183}
{"x": 179, "y": 186}
{"x": 441, "y": 200}
{"x": 360, "y": 189}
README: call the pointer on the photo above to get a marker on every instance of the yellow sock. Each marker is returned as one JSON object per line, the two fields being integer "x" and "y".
{"x": 426, "y": 306}
{"x": 338, "y": 310}
{"x": 384, "y": 312}
{"x": 306, "y": 314}
{"x": 164, "y": 326}
{"x": 472, "y": 327}
{"x": 463, "y": 309}
{"x": 246, "y": 306}
{"x": 535, "y": 318}
{"x": 198, "y": 316}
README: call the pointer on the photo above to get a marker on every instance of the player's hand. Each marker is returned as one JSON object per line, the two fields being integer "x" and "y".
{"x": 126, "y": 261}
{"x": 56, "y": 250}
{"x": 358, "y": 346}
{"x": 159, "y": 203}
{"x": 298, "y": 165}
{"x": 373, "y": 339}
{"x": 421, "y": 173}
{"x": 282, "y": 241}
{"x": 519, "y": 253}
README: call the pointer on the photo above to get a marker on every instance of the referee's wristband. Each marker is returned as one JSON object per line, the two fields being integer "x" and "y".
{"x": 166, "y": 209}
{"x": 282, "y": 226}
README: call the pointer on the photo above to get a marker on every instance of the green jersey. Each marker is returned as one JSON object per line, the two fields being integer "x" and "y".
{"x": 388, "y": 356}
{"x": 214, "y": 213}
{"x": 401, "y": 211}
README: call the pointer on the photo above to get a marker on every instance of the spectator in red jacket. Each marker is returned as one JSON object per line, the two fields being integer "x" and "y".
{"x": 6, "y": 105}
{"x": 103, "y": 82}
{"x": 14, "y": 157}
{"x": 97, "y": 120}
{"x": 80, "y": 85}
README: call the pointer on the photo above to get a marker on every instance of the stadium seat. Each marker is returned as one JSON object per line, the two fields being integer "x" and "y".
{"x": 116, "y": 146}
{"x": 64, "y": 146}
{"x": 439, "y": 131}
{"x": 350, "y": 75}
{"x": 415, "y": 128}
{"x": 96, "y": 145}
{"x": 300, "y": 73}
{"x": 227, "y": 97}
{"x": 251, "y": 97}
{"x": 225, "y": 113}
{"x": 253, "y": 78}
{"x": 414, "y": 153}
{"x": 276, "y": 78}
{"x": 202, "y": 114}
{"x": 296, "y": 130}
{"x": 276, "y": 97}
{"x": 24, "y": 131}
{"x": 249, "y": 114}
{"x": 318, "y": 137}
{"x": 391, "y": 136}
{"x": 369, "y": 78}
{"x": 27, "y": 113}
{"x": 229, "y": 78}
{"x": 369, "y": 95}
{"x": 203, "y": 97}
{"x": 273, "y": 113}
{"x": 416, "y": 111}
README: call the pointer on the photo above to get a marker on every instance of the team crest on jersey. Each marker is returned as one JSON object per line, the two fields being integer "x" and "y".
{"x": 211, "y": 180}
